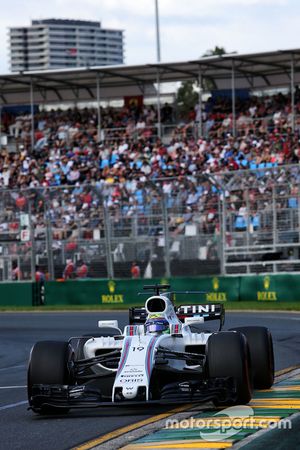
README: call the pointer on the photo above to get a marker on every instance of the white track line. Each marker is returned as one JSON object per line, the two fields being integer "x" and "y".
{"x": 13, "y": 405}
{"x": 12, "y": 367}
{"x": 13, "y": 387}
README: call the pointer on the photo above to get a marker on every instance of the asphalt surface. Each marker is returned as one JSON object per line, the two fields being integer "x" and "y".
{"x": 22, "y": 429}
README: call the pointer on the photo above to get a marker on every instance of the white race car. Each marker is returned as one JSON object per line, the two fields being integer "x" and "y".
{"x": 165, "y": 355}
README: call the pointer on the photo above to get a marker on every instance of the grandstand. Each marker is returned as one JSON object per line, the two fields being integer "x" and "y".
{"x": 210, "y": 193}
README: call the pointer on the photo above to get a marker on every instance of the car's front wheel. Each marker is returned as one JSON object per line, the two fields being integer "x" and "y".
{"x": 261, "y": 354}
{"x": 48, "y": 364}
{"x": 228, "y": 356}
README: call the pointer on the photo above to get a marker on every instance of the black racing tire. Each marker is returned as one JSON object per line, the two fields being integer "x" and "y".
{"x": 228, "y": 356}
{"x": 261, "y": 354}
{"x": 48, "y": 365}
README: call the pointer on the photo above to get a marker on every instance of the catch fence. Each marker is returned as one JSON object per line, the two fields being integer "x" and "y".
{"x": 234, "y": 223}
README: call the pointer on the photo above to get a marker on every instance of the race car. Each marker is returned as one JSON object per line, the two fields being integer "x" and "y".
{"x": 165, "y": 355}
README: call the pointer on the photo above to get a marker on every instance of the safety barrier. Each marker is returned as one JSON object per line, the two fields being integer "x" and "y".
{"x": 271, "y": 288}
{"x": 113, "y": 293}
{"x": 17, "y": 294}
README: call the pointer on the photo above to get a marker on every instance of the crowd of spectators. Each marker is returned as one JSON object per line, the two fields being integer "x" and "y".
{"x": 69, "y": 174}
{"x": 68, "y": 150}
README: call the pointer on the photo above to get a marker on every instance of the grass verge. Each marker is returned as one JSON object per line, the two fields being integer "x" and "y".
{"x": 229, "y": 306}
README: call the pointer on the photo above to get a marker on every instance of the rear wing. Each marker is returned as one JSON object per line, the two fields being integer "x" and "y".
{"x": 170, "y": 294}
{"x": 209, "y": 311}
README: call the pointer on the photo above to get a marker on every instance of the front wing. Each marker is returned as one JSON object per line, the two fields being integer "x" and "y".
{"x": 64, "y": 396}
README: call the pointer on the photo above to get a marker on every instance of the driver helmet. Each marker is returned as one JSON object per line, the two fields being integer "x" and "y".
{"x": 157, "y": 325}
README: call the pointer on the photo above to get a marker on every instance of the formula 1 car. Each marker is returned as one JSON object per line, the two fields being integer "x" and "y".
{"x": 160, "y": 357}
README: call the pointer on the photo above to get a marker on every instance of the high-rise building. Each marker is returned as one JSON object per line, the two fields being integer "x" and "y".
{"x": 58, "y": 43}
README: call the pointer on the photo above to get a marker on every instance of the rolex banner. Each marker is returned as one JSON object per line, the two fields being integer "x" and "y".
{"x": 215, "y": 289}
{"x": 113, "y": 293}
{"x": 124, "y": 293}
{"x": 270, "y": 288}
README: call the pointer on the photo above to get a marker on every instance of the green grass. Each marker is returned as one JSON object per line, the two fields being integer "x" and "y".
{"x": 229, "y": 306}
{"x": 265, "y": 306}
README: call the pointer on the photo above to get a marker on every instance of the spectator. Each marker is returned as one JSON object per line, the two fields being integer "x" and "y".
{"x": 82, "y": 270}
{"x": 39, "y": 275}
{"x": 69, "y": 271}
{"x": 16, "y": 274}
{"x": 135, "y": 270}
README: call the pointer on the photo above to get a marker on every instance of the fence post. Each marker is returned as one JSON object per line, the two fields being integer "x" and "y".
{"x": 248, "y": 217}
{"x": 166, "y": 233}
{"x": 32, "y": 239}
{"x": 49, "y": 240}
{"x": 223, "y": 233}
{"x": 220, "y": 243}
{"x": 109, "y": 262}
{"x": 0, "y": 127}
{"x": 222, "y": 219}
{"x": 274, "y": 224}
{"x": 298, "y": 208}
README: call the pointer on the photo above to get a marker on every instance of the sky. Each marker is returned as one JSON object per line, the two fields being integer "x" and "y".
{"x": 187, "y": 28}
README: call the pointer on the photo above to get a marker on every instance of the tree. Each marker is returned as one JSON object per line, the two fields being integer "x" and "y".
{"x": 217, "y": 51}
{"x": 186, "y": 97}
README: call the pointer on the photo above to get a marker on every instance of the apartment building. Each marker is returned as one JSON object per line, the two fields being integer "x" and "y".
{"x": 58, "y": 43}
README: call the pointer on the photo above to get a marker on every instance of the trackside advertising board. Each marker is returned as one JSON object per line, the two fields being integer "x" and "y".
{"x": 114, "y": 293}
{"x": 16, "y": 294}
{"x": 124, "y": 292}
{"x": 270, "y": 288}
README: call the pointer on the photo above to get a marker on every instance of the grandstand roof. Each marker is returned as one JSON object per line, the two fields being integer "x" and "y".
{"x": 252, "y": 71}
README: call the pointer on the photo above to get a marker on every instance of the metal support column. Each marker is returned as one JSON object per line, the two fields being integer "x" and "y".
{"x": 98, "y": 107}
{"x": 223, "y": 233}
{"x": 222, "y": 220}
{"x": 157, "y": 31}
{"x": 49, "y": 242}
{"x": 298, "y": 200}
{"x": 158, "y": 74}
{"x": 0, "y": 127}
{"x": 32, "y": 115}
{"x": 32, "y": 239}
{"x": 158, "y": 104}
{"x": 109, "y": 262}
{"x": 166, "y": 234}
{"x": 200, "y": 103}
{"x": 293, "y": 92}
{"x": 220, "y": 240}
{"x": 248, "y": 219}
{"x": 274, "y": 221}
{"x": 233, "y": 99}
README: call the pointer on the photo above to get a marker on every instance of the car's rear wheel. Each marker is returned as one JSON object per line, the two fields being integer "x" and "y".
{"x": 48, "y": 364}
{"x": 228, "y": 356}
{"x": 261, "y": 354}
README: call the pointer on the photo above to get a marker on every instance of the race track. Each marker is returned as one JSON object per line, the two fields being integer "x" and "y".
{"x": 23, "y": 430}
